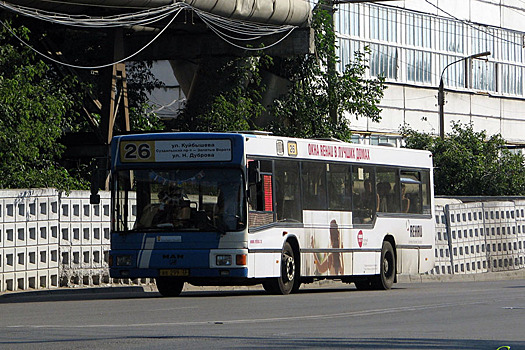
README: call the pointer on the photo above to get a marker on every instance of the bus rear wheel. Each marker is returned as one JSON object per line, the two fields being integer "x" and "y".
{"x": 288, "y": 281}
{"x": 387, "y": 274}
{"x": 169, "y": 286}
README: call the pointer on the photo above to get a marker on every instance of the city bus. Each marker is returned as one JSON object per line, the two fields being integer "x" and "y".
{"x": 252, "y": 208}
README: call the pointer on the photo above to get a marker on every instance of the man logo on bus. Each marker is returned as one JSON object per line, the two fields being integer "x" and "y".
{"x": 360, "y": 238}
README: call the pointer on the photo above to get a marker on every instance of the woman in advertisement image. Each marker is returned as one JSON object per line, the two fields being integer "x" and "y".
{"x": 331, "y": 263}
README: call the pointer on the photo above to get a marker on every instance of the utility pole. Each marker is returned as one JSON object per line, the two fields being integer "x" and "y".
{"x": 441, "y": 91}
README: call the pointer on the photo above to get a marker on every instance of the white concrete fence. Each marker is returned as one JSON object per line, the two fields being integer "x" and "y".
{"x": 479, "y": 237}
{"x": 50, "y": 240}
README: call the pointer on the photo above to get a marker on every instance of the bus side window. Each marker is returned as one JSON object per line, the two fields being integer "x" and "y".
{"x": 364, "y": 196}
{"x": 388, "y": 190}
{"x": 339, "y": 187}
{"x": 411, "y": 182}
{"x": 287, "y": 191}
{"x": 313, "y": 178}
{"x": 425, "y": 183}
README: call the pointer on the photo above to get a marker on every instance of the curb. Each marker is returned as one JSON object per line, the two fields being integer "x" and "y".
{"x": 477, "y": 277}
{"x": 152, "y": 288}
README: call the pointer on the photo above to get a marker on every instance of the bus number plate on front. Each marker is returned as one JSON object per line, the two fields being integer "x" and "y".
{"x": 174, "y": 272}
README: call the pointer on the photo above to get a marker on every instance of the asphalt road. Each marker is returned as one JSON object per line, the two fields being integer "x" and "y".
{"x": 455, "y": 315}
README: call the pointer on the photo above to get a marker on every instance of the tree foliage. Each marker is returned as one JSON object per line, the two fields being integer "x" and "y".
{"x": 33, "y": 107}
{"x": 232, "y": 105}
{"x": 319, "y": 97}
{"x": 40, "y": 102}
{"x": 468, "y": 162}
{"x": 316, "y": 92}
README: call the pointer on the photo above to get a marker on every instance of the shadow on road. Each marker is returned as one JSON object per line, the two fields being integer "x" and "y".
{"x": 138, "y": 292}
{"x": 67, "y": 294}
{"x": 228, "y": 342}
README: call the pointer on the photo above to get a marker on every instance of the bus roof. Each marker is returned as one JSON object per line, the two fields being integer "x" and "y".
{"x": 327, "y": 150}
{"x": 230, "y": 148}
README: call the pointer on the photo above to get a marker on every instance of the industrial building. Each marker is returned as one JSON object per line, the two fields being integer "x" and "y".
{"x": 415, "y": 43}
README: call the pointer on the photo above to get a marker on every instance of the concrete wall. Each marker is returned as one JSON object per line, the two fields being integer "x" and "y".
{"x": 417, "y": 107}
{"x": 479, "y": 237}
{"x": 50, "y": 240}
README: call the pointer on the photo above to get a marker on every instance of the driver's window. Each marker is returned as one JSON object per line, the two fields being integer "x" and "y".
{"x": 260, "y": 189}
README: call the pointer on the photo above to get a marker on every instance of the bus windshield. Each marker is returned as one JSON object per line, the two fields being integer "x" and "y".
{"x": 179, "y": 200}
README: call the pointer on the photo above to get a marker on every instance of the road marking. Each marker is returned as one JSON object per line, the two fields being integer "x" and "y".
{"x": 261, "y": 320}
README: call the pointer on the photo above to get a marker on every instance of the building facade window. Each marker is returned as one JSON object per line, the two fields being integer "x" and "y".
{"x": 450, "y": 35}
{"x": 454, "y": 75}
{"x": 419, "y": 66}
{"x": 383, "y": 24}
{"x": 383, "y": 61}
{"x": 418, "y": 31}
{"x": 511, "y": 79}
{"x": 348, "y": 20}
{"x": 414, "y": 48}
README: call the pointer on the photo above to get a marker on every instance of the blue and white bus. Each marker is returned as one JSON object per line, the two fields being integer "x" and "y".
{"x": 245, "y": 209}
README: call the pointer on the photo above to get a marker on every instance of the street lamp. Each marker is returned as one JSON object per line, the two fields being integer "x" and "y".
{"x": 441, "y": 93}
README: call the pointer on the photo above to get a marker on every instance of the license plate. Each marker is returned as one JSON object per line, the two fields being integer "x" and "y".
{"x": 174, "y": 272}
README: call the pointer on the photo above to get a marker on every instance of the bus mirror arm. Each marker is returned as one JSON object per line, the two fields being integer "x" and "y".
{"x": 254, "y": 172}
{"x": 98, "y": 177}
{"x": 94, "y": 198}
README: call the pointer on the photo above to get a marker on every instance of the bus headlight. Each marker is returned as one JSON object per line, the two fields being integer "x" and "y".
{"x": 123, "y": 260}
{"x": 223, "y": 260}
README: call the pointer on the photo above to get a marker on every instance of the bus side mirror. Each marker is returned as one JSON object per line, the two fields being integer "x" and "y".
{"x": 254, "y": 172}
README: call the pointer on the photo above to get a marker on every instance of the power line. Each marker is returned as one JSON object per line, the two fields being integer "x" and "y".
{"x": 91, "y": 67}
{"x": 468, "y": 23}
{"x": 240, "y": 30}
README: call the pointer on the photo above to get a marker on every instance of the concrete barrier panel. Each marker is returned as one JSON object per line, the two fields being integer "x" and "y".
{"x": 32, "y": 258}
{"x": 9, "y": 234}
{"x": 87, "y": 234}
{"x": 20, "y": 236}
{"x": 32, "y": 233}
{"x": 43, "y": 257}
{"x": 9, "y": 259}
{"x": 53, "y": 232}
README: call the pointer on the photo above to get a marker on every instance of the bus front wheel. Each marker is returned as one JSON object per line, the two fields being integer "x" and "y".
{"x": 169, "y": 286}
{"x": 288, "y": 281}
{"x": 387, "y": 274}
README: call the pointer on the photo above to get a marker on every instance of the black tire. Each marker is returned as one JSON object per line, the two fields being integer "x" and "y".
{"x": 387, "y": 274}
{"x": 288, "y": 281}
{"x": 169, "y": 286}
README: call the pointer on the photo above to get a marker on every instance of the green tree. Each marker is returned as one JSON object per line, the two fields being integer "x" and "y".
{"x": 141, "y": 82}
{"x": 316, "y": 92}
{"x": 41, "y": 102}
{"x": 33, "y": 106}
{"x": 319, "y": 96}
{"x": 467, "y": 162}
{"x": 231, "y": 105}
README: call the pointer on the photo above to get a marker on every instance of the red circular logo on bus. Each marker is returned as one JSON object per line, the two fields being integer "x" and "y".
{"x": 360, "y": 238}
